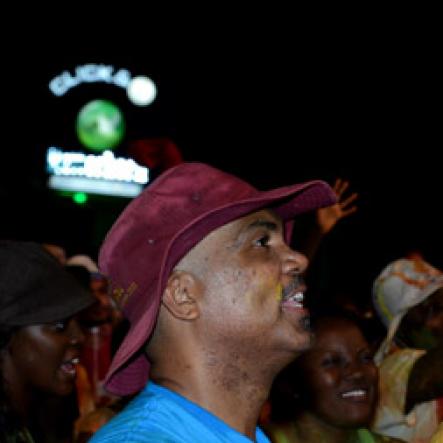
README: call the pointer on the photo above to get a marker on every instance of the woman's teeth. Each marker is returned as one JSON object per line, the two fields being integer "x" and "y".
{"x": 69, "y": 366}
{"x": 357, "y": 393}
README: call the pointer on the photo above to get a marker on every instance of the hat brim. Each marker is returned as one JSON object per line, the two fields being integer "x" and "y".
{"x": 40, "y": 290}
{"x": 129, "y": 370}
{"x": 63, "y": 298}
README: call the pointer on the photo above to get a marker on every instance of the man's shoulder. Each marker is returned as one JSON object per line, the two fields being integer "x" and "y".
{"x": 159, "y": 415}
{"x": 132, "y": 436}
{"x": 133, "y": 428}
{"x": 142, "y": 420}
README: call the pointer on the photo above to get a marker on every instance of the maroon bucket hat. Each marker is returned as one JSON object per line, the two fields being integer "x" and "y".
{"x": 160, "y": 226}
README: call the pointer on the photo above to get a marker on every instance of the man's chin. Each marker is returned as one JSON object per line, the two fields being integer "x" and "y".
{"x": 301, "y": 345}
{"x": 303, "y": 342}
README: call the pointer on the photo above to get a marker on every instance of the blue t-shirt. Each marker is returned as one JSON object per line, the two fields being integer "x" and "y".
{"x": 160, "y": 415}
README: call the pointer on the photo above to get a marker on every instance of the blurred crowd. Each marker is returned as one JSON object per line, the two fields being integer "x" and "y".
{"x": 371, "y": 372}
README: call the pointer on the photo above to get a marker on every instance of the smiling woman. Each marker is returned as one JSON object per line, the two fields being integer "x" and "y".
{"x": 330, "y": 393}
{"x": 40, "y": 337}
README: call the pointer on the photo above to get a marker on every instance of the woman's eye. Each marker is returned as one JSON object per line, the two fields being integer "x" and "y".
{"x": 331, "y": 361}
{"x": 59, "y": 326}
{"x": 367, "y": 357}
{"x": 262, "y": 241}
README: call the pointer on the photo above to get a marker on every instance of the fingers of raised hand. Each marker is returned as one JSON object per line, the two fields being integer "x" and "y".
{"x": 340, "y": 186}
{"x": 348, "y": 201}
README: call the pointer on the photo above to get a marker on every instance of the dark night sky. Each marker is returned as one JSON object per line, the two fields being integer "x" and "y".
{"x": 367, "y": 116}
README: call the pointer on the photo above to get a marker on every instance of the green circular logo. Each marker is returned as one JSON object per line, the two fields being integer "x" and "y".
{"x": 100, "y": 125}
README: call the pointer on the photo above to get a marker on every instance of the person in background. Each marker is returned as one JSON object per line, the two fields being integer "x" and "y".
{"x": 408, "y": 297}
{"x": 95, "y": 405}
{"x": 325, "y": 219}
{"x": 57, "y": 251}
{"x": 201, "y": 266}
{"x": 329, "y": 394}
{"x": 99, "y": 320}
{"x": 438, "y": 436}
{"x": 40, "y": 337}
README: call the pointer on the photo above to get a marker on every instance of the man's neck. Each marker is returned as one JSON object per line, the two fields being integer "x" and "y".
{"x": 235, "y": 398}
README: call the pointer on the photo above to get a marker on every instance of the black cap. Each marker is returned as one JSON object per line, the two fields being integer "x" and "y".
{"x": 35, "y": 288}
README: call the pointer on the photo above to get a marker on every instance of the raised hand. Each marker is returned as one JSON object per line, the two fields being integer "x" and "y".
{"x": 328, "y": 217}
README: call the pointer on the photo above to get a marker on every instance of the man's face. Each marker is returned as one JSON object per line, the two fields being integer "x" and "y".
{"x": 252, "y": 290}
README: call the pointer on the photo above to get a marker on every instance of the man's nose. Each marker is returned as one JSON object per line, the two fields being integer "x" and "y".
{"x": 295, "y": 262}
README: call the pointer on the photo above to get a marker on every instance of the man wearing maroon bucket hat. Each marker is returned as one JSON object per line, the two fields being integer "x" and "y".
{"x": 200, "y": 265}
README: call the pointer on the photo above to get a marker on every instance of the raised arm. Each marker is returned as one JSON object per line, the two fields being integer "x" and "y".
{"x": 326, "y": 218}
{"x": 426, "y": 379}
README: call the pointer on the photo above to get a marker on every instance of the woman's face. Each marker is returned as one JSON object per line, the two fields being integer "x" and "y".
{"x": 423, "y": 324}
{"x": 43, "y": 357}
{"x": 341, "y": 378}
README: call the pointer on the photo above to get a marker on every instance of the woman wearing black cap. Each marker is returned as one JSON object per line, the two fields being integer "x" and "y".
{"x": 39, "y": 335}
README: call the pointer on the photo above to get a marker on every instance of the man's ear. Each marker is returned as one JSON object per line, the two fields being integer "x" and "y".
{"x": 181, "y": 295}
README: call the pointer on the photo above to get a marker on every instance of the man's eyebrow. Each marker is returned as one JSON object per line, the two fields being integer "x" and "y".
{"x": 270, "y": 225}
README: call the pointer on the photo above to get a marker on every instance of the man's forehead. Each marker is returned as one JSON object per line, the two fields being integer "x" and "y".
{"x": 264, "y": 218}
{"x": 265, "y": 215}
{"x": 230, "y": 232}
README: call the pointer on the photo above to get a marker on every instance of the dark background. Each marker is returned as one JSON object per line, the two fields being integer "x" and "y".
{"x": 371, "y": 115}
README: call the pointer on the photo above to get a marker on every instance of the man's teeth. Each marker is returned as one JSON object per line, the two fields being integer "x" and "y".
{"x": 295, "y": 300}
{"x": 297, "y": 297}
{"x": 357, "y": 393}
